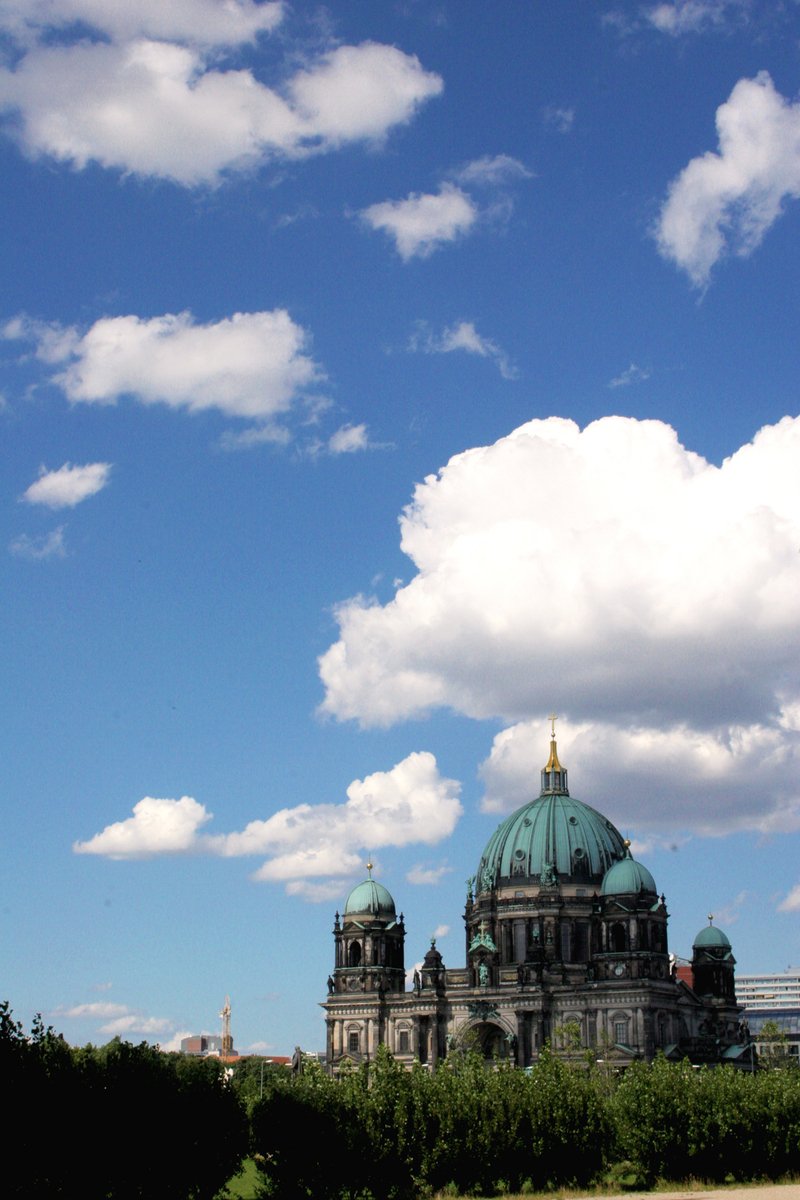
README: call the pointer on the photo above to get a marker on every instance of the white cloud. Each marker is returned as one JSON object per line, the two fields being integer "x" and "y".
{"x": 348, "y": 439}
{"x": 157, "y": 826}
{"x": 252, "y": 365}
{"x": 136, "y": 1023}
{"x": 409, "y": 803}
{"x": 792, "y": 902}
{"x": 155, "y": 107}
{"x": 461, "y": 336}
{"x": 692, "y": 16}
{"x": 172, "y": 1044}
{"x": 309, "y": 847}
{"x": 422, "y": 223}
{"x": 67, "y": 486}
{"x": 492, "y": 170}
{"x": 559, "y": 118}
{"x": 632, "y": 374}
{"x": 422, "y": 875}
{"x": 717, "y": 781}
{"x": 727, "y": 201}
{"x": 608, "y": 570}
{"x": 204, "y": 22}
{"x": 441, "y": 931}
{"x": 46, "y": 545}
{"x": 103, "y": 1011}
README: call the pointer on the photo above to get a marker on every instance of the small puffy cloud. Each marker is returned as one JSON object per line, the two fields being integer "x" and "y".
{"x": 692, "y": 16}
{"x": 559, "y": 118}
{"x": 726, "y": 201}
{"x": 441, "y": 931}
{"x": 492, "y": 170}
{"x": 649, "y": 779}
{"x": 100, "y": 1010}
{"x": 156, "y": 827}
{"x": 632, "y": 374}
{"x": 252, "y": 365}
{"x": 421, "y": 224}
{"x": 118, "y": 1020}
{"x": 423, "y": 875}
{"x": 309, "y": 848}
{"x": 792, "y": 902}
{"x": 461, "y": 336}
{"x": 425, "y": 222}
{"x": 409, "y": 803}
{"x": 348, "y": 439}
{"x": 156, "y": 107}
{"x": 67, "y": 486}
{"x": 204, "y": 22}
{"x": 135, "y": 1023}
{"x": 45, "y": 545}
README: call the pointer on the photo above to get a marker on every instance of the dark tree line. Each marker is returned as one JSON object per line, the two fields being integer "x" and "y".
{"x": 119, "y": 1121}
{"x": 126, "y": 1122}
{"x": 385, "y": 1133}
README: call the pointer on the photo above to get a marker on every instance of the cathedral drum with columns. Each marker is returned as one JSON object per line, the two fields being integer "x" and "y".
{"x": 563, "y": 929}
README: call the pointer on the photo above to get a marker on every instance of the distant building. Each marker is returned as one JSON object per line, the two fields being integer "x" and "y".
{"x": 773, "y": 998}
{"x": 563, "y": 929}
{"x": 202, "y": 1044}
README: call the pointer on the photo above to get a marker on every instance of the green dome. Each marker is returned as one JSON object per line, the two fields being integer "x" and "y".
{"x": 627, "y": 878}
{"x": 370, "y": 897}
{"x": 552, "y": 835}
{"x": 711, "y": 937}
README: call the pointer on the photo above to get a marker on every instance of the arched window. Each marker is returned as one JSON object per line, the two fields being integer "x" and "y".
{"x": 353, "y": 1041}
{"x": 403, "y": 1045}
{"x": 618, "y": 936}
{"x": 354, "y": 955}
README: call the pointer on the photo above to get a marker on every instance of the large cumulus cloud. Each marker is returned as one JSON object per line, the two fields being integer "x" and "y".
{"x": 608, "y": 571}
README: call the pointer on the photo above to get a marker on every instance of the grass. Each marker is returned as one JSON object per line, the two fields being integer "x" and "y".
{"x": 244, "y": 1186}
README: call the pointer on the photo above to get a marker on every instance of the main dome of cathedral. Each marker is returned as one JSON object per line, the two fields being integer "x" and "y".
{"x": 552, "y": 838}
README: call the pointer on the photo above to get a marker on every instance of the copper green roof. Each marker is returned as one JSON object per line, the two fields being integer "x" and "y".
{"x": 370, "y": 897}
{"x": 552, "y": 835}
{"x": 710, "y": 937}
{"x": 627, "y": 878}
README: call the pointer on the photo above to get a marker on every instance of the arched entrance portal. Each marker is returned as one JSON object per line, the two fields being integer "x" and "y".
{"x": 488, "y": 1039}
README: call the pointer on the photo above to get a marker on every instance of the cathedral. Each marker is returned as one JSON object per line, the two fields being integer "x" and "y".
{"x": 565, "y": 931}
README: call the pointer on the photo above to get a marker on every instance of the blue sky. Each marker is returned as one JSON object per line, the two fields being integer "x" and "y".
{"x": 377, "y": 379}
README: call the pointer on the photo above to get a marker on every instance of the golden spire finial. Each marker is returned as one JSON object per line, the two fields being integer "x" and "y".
{"x": 552, "y": 763}
{"x": 369, "y": 865}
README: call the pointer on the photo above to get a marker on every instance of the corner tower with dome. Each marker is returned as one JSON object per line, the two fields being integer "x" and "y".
{"x": 563, "y": 929}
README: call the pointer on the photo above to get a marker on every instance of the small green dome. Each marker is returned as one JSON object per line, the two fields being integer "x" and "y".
{"x": 711, "y": 937}
{"x": 627, "y": 878}
{"x": 370, "y": 897}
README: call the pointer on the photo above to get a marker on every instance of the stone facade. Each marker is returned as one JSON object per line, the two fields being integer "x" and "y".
{"x": 565, "y": 941}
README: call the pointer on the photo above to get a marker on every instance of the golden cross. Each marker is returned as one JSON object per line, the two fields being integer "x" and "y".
{"x": 552, "y": 719}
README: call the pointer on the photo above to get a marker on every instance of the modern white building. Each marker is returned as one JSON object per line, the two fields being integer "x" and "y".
{"x": 774, "y": 998}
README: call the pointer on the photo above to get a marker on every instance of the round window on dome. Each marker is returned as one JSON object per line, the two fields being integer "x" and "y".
{"x": 519, "y": 855}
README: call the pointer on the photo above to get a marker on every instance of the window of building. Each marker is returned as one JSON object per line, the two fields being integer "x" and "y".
{"x": 353, "y": 1041}
{"x": 402, "y": 1042}
{"x": 620, "y": 1031}
{"x": 354, "y": 955}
